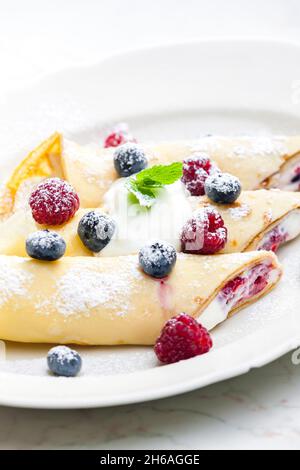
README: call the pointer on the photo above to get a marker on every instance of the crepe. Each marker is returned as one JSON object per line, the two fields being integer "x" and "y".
{"x": 43, "y": 162}
{"x": 249, "y": 222}
{"x": 255, "y": 215}
{"x": 258, "y": 162}
{"x": 110, "y": 301}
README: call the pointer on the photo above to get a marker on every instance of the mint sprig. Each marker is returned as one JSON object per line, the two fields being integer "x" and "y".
{"x": 146, "y": 185}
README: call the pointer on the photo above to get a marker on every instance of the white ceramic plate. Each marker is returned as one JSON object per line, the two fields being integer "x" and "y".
{"x": 178, "y": 91}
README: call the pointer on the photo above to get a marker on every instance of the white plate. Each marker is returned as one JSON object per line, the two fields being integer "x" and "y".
{"x": 175, "y": 91}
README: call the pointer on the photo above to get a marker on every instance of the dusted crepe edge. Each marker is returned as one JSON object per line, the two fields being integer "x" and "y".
{"x": 146, "y": 315}
{"x": 252, "y": 215}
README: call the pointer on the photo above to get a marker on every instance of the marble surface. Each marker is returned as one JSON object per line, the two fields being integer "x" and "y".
{"x": 258, "y": 410}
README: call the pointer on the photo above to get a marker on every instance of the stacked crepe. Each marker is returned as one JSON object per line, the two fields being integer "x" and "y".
{"x": 108, "y": 300}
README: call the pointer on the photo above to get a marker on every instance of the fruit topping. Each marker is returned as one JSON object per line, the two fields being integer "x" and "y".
{"x": 223, "y": 188}
{"x": 45, "y": 245}
{"x": 53, "y": 202}
{"x": 204, "y": 233}
{"x": 95, "y": 230}
{"x": 129, "y": 159}
{"x": 64, "y": 361}
{"x": 157, "y": 259}
{"x": 118, "y": 136}
{"x": 196, "y": 170}
{"x": 182, "y": 338}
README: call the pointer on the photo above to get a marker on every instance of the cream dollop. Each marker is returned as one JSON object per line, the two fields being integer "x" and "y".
{"x": 137, "y": 226}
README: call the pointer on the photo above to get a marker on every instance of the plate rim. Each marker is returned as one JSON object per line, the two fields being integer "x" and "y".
{"x": 87, "y": 401}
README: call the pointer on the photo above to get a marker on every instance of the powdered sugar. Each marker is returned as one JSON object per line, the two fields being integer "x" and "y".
{"x": 13, "y": 281}
{"x": 260, "y": 146}
{"x": 209, "y": 143}
{"x": 224, "y": 183}
{"x": 240, "y": 211}
{"x": 152, "y": 254}
{"x": 83, "y": 289}
{"x": 53, "y": 202}
{"x": 43, "y": 239}
{"x": 63, "y": 354}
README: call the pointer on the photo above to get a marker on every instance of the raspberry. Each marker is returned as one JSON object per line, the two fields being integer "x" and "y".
{"x": 120, "y": 135}
{"x": 230, "y": 289}
{"x": 196, "y": 170}
{"x": 181, "y": 338}
{"x": 204, "y": 233}
{"x": 53, "y": 202}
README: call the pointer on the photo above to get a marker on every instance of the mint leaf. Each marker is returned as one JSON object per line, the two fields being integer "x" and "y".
{"x": 146, "y": 196}
{"x": 146, "y": 185}
{"x": 161, "y": 174}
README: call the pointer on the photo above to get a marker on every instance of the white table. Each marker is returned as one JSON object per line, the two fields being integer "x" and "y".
{"x": 258, "y": 410}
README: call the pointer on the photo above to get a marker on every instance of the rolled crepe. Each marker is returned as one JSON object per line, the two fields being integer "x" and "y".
{"x": 110, "y": 301}
{"x": 250, "y": 222}
{"x": 43, "y": 162}
{"x": 258, "y": 215}
{"x": 257, "y": 162}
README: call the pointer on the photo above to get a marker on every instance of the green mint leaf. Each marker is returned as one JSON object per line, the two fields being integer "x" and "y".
{"x": 163, "y": 174}
{"x": 146, "y": 185}
{"x": 146, "y": 196}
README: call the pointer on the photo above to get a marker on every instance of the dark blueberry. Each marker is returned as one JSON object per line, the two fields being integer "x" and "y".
{"x": 157, "y": 259}
{"x": 223, "y": 188}
{"x": 64, "y": 361}
{"x": 45, "y": 245}
{"x": 95, "y": 230}
{"x": 129, "y": 159}
{"x": 296, "y": 178}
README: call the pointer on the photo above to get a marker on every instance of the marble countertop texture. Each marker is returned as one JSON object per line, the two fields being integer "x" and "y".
{"x": 258, "y": 410}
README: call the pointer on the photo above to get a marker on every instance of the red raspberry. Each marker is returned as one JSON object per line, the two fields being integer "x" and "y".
{"x": 53, "y": 202}
{"x": 196, "y": 170}
{"x": 229, "y": 291}
{"x": 120, "y": 135}
{"x": 181, "y": 338}
{"x": 204, "y": 233}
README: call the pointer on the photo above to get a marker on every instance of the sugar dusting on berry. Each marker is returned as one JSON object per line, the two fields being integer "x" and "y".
{"x": 182, "y": 338}
{"x": 53, "y": 202}
{"x": 63, "y": 354}
{"x": 43, "y": 239}
{"x": 224, "y": 182}
{"x": 196, "y": 170}
{"x": 204, "y": 233}
{"x": 153, "y": 256}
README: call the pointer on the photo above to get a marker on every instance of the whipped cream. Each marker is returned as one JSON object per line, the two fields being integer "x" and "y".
{"x": 137, "y": 226}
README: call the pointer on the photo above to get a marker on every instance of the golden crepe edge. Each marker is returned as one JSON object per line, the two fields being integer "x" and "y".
{"x": 49, "y": 159}
{"x": 126, "y": 306}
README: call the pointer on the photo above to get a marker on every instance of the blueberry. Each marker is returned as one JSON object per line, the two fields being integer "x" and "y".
{"x": 223, "y": 188}
{"x": 129, "y": 159}
{"x": 157, "y": 259}
{"x": 64, "y": 361}
{"x": 45, "y": 245}
{"x": 95, "y": 230}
